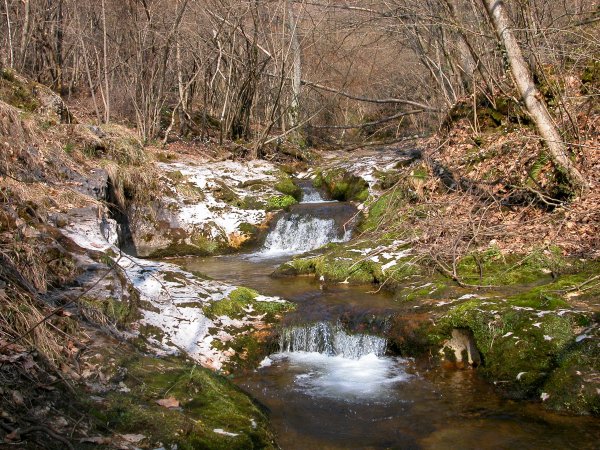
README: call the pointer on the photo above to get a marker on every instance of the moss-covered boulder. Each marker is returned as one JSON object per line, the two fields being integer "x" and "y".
{"x": 247, "y": 322}
{"x": 535, "y": 343}
{"x": 362, "y": 262}
{"x": 208, "y": 208}
{"x": 171, "y": 402}
{"x": 342, "y": 185}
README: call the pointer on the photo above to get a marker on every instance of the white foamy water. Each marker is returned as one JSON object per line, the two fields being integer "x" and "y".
{"x": 369, "y": 377}
{"x": 330, "y": 339}
{"x": 312, "y": 195}
{"x": 296, "y": 233}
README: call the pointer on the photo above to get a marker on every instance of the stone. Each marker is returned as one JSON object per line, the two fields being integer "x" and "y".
{"x": 460, "y": 349}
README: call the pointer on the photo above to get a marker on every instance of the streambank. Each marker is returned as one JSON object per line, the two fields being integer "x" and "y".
{"x": 528, "y": 320}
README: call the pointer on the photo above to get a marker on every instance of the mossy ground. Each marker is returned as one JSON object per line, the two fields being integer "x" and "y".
{"x": 492, "y": 267}
{"x": 207, "y": 402}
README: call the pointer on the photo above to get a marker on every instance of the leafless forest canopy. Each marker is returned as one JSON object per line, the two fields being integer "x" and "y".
{"x": 316, "y": 70}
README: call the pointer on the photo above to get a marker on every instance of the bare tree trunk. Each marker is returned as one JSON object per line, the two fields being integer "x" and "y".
{"x": 105, "y": 51}
{"x": 530, "y": 94}
{"x": 10, "y": 43}
{"x": 25, "y": 33}
{"x": 58, "y": 54}
{"x": 297, "y": 67}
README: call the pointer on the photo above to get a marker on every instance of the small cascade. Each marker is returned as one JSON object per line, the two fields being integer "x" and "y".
{"x": 311, "y": 195}
{"x": 331, "y": 340}
{"x": 300, "y": 233}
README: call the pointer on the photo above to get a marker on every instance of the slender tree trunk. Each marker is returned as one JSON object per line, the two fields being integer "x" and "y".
{"x": 25, "y": 33}
{"x": 105, "y": 52}
{"x": 530, "y": 94}
{"x": 9, "y": 30}
{"x": 297, "y": 67}
{"x": 58, "y": 56}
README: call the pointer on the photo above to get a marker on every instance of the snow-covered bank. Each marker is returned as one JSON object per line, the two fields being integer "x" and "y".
{"x": 172, "y": 301}
{"x": 208, "y": 207}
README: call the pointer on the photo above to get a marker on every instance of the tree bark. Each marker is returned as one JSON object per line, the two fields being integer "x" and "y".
{"x": 531, "y": 96}
{"x": 297, "y": 66}
{"x": 105, "y": 61}
{"x": 9, "y": 29}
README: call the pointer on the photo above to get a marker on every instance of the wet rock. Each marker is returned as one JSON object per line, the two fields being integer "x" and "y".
{"x": 209, "y": 208}
{"x": 461, "y": 350}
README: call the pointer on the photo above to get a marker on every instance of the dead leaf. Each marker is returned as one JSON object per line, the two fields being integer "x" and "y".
{"x": 17, "y": 398}
{"x": 133, "y": 438}
{"x": 170, "y": 402}
{"x": 12, "y": 436}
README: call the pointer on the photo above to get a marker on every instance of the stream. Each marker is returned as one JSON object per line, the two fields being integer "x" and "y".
{"x": 327, "y": 389}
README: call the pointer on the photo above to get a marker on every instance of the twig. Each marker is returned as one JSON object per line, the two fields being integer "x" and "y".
{"x": 61, "y": 308}
{"x": 42, "y": 429}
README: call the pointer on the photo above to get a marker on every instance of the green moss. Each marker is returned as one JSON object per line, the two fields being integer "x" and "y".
{"x": 117, "y": 312}
{"x": 385, "y": 206}
{"x": 343, "y": 185}
{"x": 342, "y": 264}
{"x": 519, "y": 347}
{"x": 286, "y": 186}
{"x": 280, "y": 202}
{"x": 573, "y": 386}
{"x": 16, "y": 93}
{"x": 491, "y": 267}
{"x": 240, "y": 301}
{"x": 207, "y": 402}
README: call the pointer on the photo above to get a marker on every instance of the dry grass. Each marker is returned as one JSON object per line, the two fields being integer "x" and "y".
{"x": 22, "y": 318}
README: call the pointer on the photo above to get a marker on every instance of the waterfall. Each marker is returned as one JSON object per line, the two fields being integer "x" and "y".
{"x": 331, "y": 340}
{"x": 299, "y": 233}
{"x": 311, "y": 195}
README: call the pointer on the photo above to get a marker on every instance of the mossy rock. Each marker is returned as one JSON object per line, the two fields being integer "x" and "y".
{"x": 280, "y": 202}
{"x": 207, "y": 402}
{"x": 286, "y": 186}
{"x": 573, "y": 386}
{"x": 17, "y": 92}
{"x": 341, "y": 264}
{"x": 342, "y": 185}
{"x": 240, "y": 301}
{"x": 521, "y": 346}
{"x": 250, "y": 344}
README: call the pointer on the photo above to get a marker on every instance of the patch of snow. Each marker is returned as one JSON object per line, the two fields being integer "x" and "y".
{"x": 225, "y": 433}
{"x": 164, "y": 287}
{"x": 388, "y": 265}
